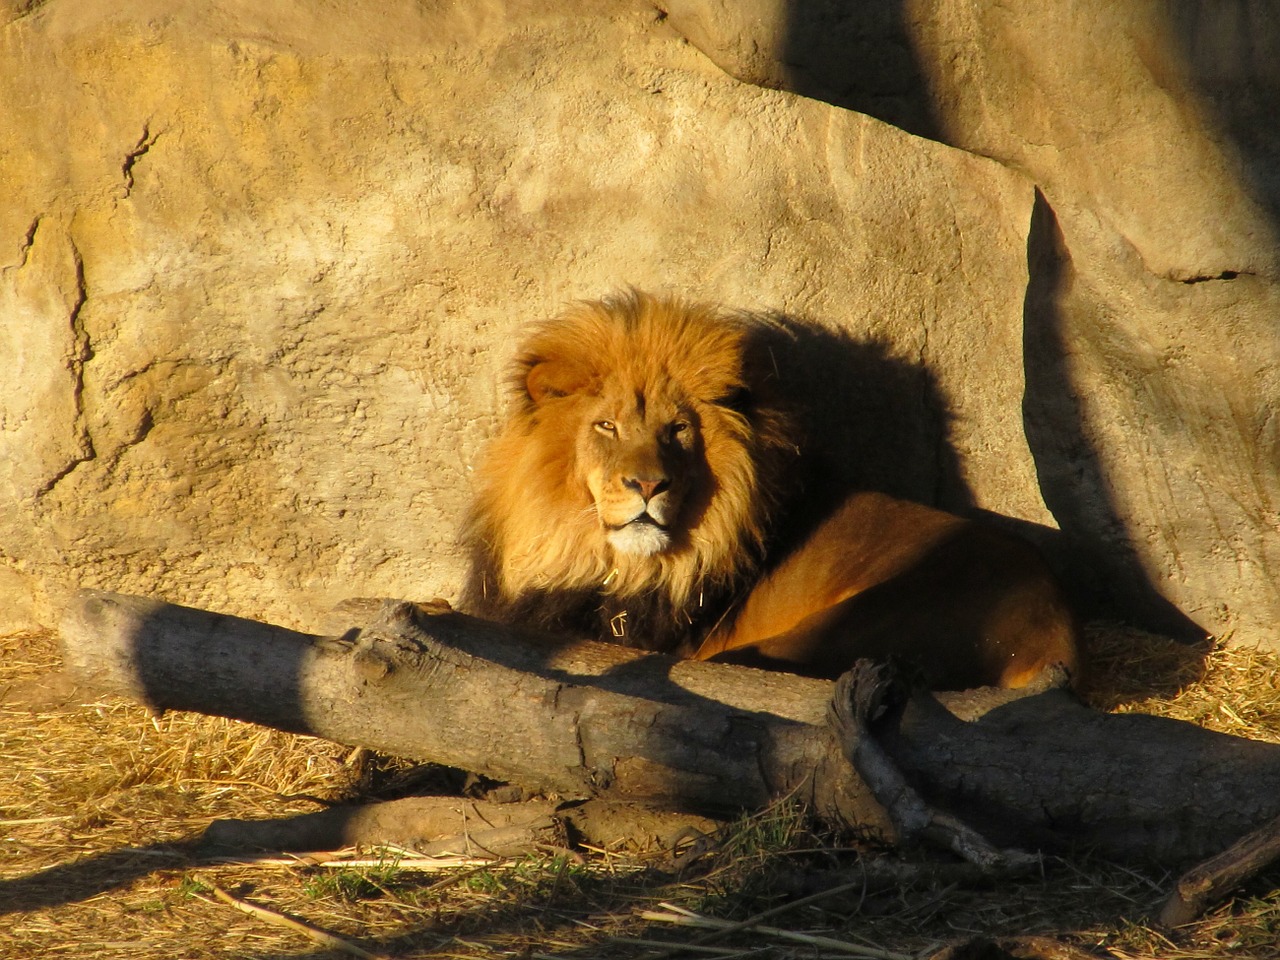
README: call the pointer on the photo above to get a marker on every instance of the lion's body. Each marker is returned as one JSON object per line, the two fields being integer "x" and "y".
{"x": 636, "y": 494}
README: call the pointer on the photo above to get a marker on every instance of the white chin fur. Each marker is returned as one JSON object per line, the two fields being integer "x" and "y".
{"x": 640, "y": 539}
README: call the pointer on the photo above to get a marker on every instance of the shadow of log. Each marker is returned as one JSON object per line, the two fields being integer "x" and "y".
{"x": 90, "y": 877}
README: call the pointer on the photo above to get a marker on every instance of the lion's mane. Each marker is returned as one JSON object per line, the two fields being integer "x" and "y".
{"x": 540, "y": 557}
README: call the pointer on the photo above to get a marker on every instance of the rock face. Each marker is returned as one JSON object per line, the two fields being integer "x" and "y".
{"x": 261, "y": 272}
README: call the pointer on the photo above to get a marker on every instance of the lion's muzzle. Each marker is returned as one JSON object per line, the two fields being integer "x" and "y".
{"x": 637, "y": 514}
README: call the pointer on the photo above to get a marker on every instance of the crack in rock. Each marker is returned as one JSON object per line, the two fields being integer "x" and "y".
{"x": 1224, "y": 275}
{"x": 28, "y": 241}
{"x": 80, "y": 354}
{"x": 139, "y": 150}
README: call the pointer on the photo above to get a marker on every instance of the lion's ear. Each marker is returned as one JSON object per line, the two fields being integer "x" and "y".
{"x": 548, "y": 379}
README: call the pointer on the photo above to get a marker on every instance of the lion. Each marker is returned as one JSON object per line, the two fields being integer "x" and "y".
{"x": 638, "y": 493}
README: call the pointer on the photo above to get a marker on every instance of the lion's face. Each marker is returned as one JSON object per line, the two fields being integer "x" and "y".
{"x": 638, "y": 460}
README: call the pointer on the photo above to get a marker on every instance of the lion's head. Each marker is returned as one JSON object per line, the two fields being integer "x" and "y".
{"x": 634, "y": 480}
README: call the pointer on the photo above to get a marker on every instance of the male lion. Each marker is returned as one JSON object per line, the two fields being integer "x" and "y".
{"x": 639, "y": 494}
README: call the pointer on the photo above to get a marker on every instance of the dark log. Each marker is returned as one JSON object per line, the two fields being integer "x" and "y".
{"x": 1047, "y": 769}
{"x": 593, "y": 720}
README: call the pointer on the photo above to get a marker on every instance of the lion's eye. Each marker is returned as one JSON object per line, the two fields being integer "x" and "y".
{"x": 607, "y": 427}
{"x": 679, "y": 427}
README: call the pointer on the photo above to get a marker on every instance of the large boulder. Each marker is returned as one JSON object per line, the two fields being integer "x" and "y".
{"x": 262, "y": 268}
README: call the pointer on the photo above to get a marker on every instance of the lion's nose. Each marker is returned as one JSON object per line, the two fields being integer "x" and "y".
{"x": 647, "y": 487}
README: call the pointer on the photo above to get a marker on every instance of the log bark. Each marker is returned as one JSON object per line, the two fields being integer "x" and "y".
{"x": 593, "y": 720}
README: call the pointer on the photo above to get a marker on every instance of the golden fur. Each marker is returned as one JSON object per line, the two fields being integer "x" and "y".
{"x": 634, "y": 495}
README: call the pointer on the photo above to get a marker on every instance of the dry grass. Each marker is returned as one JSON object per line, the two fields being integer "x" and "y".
{"x": 1231, "y": 688}
{"x": 100, "y": 807}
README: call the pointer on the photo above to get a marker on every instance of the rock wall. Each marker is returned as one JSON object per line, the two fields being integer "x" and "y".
{"x": 262, "y": 266}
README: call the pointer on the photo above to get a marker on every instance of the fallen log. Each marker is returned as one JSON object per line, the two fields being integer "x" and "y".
{"x": 579, "y": 720}
{"x": 571, "y": 720}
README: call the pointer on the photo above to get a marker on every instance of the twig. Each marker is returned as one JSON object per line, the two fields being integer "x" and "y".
{"x": 411, "y": 864}
{"x": 752, "y": 922}
{"x": 1211, "y": 880}
{"x": 279, "y": 919}
{"x": 683, "y": 917}
{"x": 685, "y": 947}
{"x": 463, "y": 875}
{"x": 755, "y": 921}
